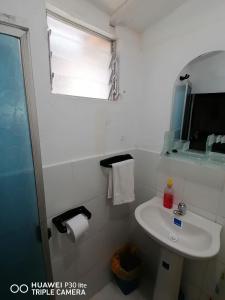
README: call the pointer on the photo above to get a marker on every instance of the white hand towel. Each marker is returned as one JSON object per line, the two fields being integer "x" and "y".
{"x": 121, "y": 182}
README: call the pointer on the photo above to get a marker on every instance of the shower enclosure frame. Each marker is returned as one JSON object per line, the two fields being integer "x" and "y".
{"x": 19, "y": 28}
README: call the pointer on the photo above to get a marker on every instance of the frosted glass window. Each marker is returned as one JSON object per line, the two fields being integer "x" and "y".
{"x": 80, "y": 61}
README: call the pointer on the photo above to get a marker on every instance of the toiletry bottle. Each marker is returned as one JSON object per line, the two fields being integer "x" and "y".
{"x": 168, "y": 194}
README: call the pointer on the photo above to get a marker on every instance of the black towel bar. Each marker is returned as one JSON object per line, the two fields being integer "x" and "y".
{"x": 60, "y": 219}
{"x": 107, "y": 163}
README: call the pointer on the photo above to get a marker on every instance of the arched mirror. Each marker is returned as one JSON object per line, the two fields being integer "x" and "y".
{"x": 197, "y": 128}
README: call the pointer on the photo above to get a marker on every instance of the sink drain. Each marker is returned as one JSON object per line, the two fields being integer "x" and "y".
{"x": 173, "y": 237}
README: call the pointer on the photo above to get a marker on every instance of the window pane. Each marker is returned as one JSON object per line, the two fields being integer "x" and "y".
{"x": 80, "y": 61}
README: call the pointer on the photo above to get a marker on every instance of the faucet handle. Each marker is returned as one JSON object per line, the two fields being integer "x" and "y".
{"x": 182, "y": 207}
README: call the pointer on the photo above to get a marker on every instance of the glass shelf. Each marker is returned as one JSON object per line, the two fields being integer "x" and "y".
{"x": 179, "y": 149}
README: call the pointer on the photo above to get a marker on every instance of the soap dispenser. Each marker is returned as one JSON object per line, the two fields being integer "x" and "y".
{"x": 168, "y": 194}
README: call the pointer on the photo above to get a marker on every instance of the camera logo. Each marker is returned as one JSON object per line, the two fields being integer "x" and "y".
{"x": 15, "y": 288}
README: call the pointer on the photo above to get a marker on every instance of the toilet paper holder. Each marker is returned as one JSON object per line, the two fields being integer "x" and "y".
{"x": 69, "y": 214}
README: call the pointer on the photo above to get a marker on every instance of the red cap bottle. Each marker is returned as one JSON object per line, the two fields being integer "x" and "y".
{"x": 168, "y": 194}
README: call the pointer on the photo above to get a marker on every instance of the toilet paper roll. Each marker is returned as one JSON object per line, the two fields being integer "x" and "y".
{"x": 76, "y": 227}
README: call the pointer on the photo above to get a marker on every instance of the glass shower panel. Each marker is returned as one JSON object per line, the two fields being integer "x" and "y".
{"x": 21, "y": 257}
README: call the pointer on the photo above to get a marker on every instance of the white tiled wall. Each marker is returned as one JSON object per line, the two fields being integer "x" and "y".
{"x": 76, "y": 183}
{"x": 202, "y": 189}
{"x": 71, "y": 184}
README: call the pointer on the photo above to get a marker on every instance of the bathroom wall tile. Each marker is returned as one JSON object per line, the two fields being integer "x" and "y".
{"x": 115, "y": 235}
{"x": 118, "y": 232}
{"x": 73, "y": 183}
{"x": 172, "y": 167}
{"x": 210, "y": 175}
{"x": 99, "y": 208}
{"x": 104, "y": 215}
{"x": 119, "y": 212}
{"x": 81, "y": 261}
{"x": 59, "y": 193}
{"x": 143, "y": 193}
{"x": 84, "y": 182}
{"x": 146, "y": 168}
{"x": 61, "y": 245}
{"x": 202, "y": 212}
{"x": 159, "y": 194}
{"x": 201, "y": 196}
{"x": 89, "y": 181}
{"x": 84, "y": 255}
{"x": 57, "y": 269}
{"x": 113, "y": 232}
{"x": 194, "y": 176}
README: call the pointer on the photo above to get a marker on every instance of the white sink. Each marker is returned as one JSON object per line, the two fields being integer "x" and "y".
{"x": 197, "y": 238}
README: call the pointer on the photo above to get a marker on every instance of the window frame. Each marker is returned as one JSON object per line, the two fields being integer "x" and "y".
{"x": 84, "y": 28}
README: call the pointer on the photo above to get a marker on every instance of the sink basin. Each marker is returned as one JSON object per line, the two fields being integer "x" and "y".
{"x": 190, "y": 236}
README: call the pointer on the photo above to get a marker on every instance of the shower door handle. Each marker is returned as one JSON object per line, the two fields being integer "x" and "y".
{"x": 39, "y": 233}
{"x": 49, "y": 233}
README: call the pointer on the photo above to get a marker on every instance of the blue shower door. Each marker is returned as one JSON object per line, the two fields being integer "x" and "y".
{"x": 21, "y": 254}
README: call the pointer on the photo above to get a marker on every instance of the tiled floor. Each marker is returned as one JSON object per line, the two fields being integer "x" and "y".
{"x": 112, "y": 292}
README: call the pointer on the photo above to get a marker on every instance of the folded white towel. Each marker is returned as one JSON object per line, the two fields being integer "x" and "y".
{"x": 121, "y": 182}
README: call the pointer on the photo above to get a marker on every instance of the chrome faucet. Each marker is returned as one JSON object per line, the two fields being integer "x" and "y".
{"x": 182, "y": 209}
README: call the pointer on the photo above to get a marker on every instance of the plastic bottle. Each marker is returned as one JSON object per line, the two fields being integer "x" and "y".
{"x": 168, "y": 194}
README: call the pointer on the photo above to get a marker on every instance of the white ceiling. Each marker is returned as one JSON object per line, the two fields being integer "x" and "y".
{"x": 137, "y": 14}
{"x": 108, "y": 6}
